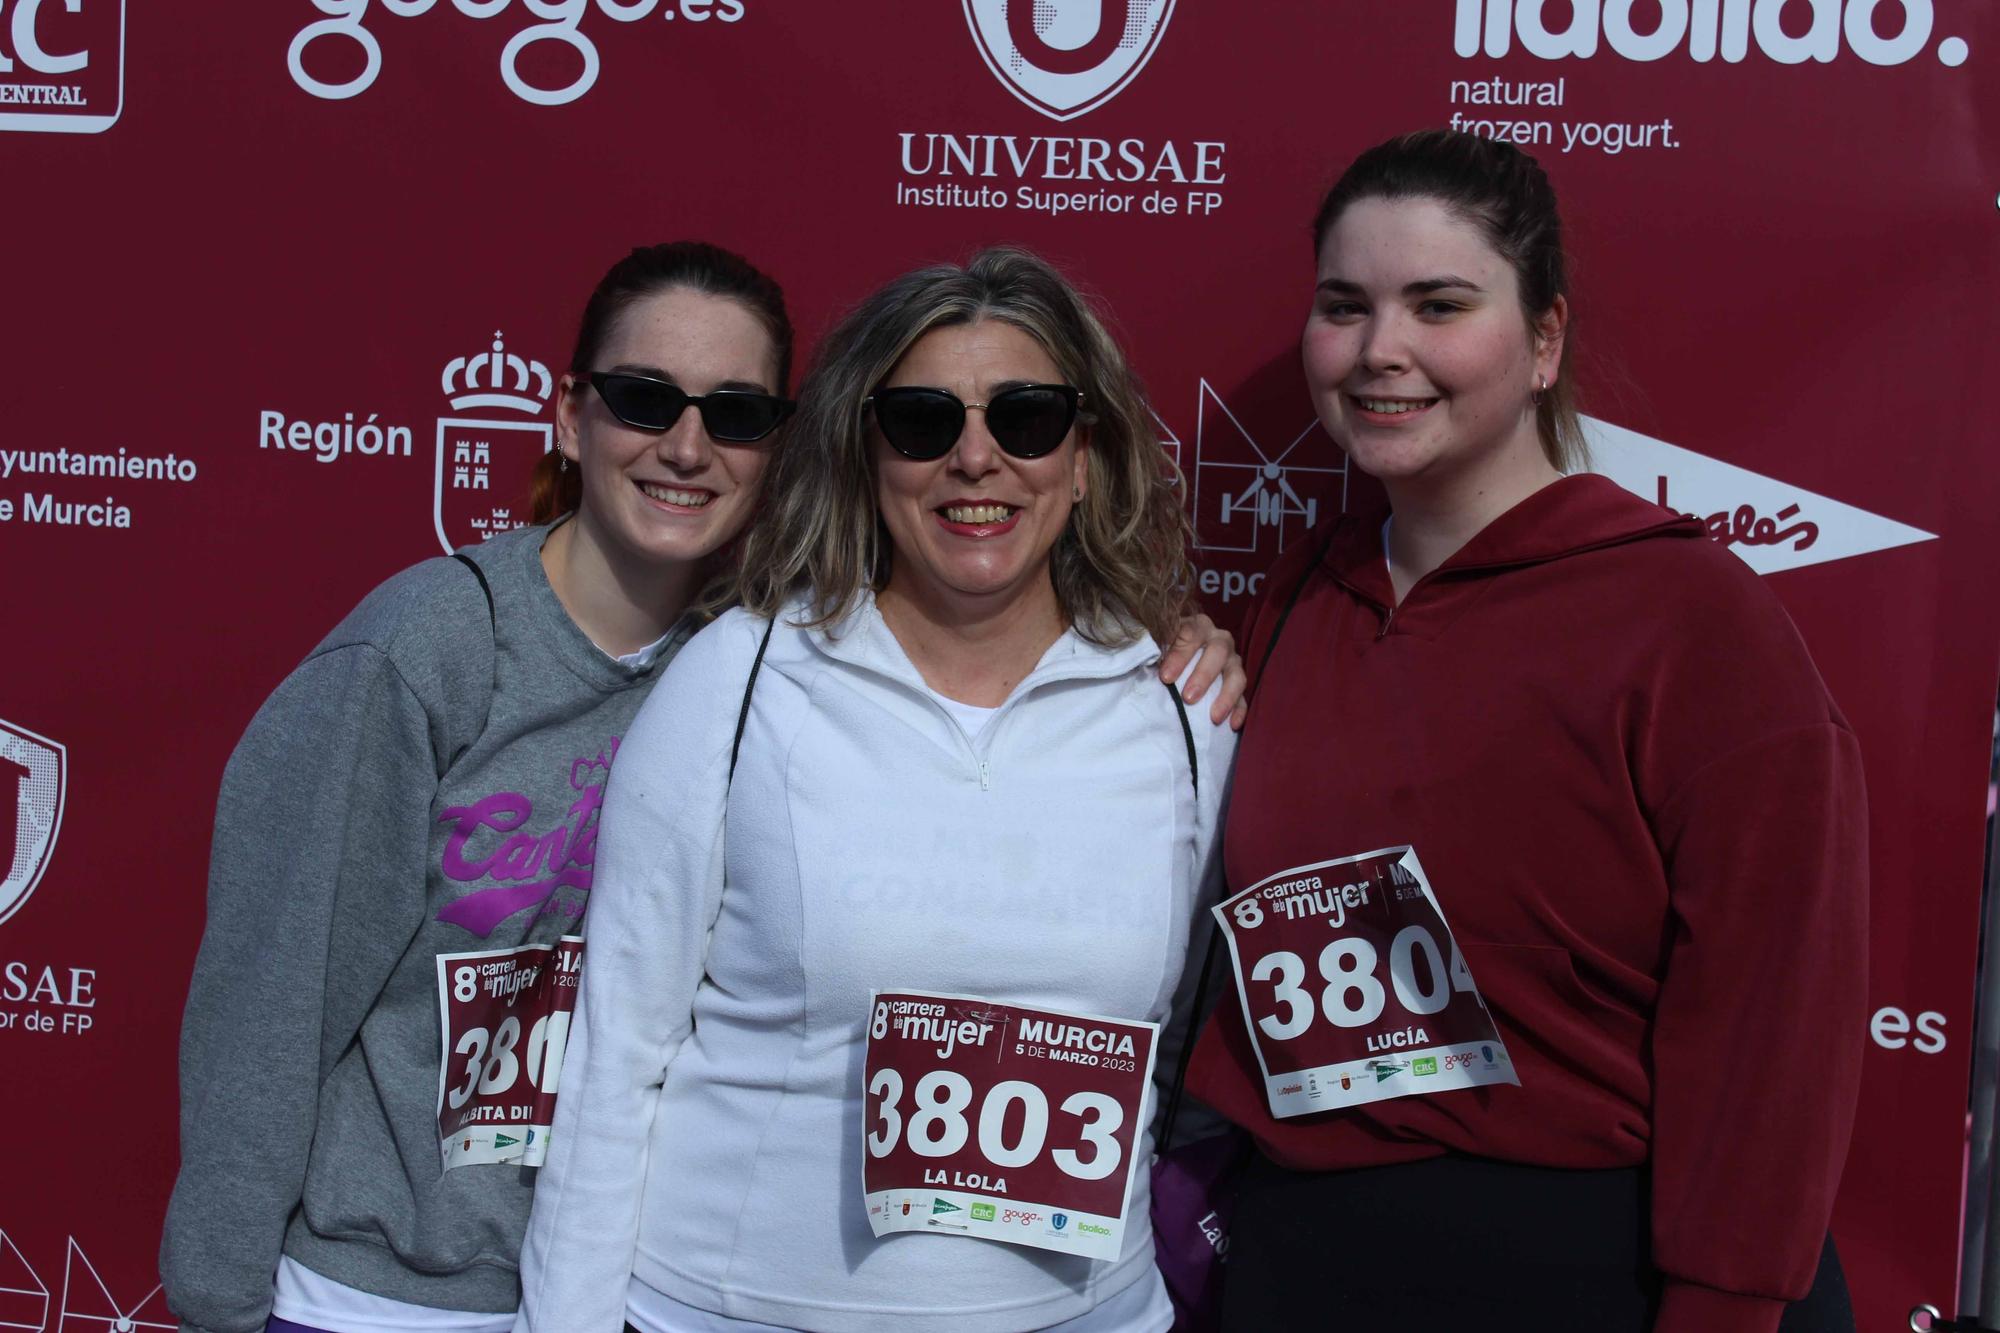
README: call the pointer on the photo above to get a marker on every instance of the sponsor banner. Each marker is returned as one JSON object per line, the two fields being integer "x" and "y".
{"x": 1371, "y": 1010}
{"x": 1002, "y": 1121}
{"x": 505, "y": 1015}
{"x": 1775, "y": 212}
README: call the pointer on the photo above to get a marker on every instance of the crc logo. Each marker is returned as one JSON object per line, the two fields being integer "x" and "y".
{"x": 1066, "y": 57}
{"x": 34, "y": 773}
{"x": 484, "y": 463}
{"x": 62, "y": 65}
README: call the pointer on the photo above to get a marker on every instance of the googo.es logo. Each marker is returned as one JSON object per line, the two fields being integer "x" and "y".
{"x": 34, "y": 773}
{"x": 1067, "y": 57}
{"x": 560, "y": 27}
{"x": 62, "y": 65}
{"x": 485, "y": 462}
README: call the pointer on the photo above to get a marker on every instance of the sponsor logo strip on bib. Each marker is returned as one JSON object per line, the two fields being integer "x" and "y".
{"x": 1353, "y": 989}
{"x": 1003, "y": 1122}
{"x": 505, "y": 1014}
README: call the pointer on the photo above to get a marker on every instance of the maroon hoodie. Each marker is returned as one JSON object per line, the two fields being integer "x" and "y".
{"x": 1644, "y": 821}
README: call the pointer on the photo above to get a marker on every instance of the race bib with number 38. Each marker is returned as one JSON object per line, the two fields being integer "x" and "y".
{"x": 505, "y": 1014}
{"x": 1002, "y": 1122}
{"x": 1352, "y": 988}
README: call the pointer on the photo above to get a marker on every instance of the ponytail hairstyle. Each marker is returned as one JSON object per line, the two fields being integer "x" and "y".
{"x": 648, "y": 271}
{"x": 1504, "y": 192}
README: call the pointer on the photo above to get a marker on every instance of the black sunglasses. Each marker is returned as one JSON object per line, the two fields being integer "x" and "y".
{"x": 1026, "y": 421}
{"x": 736, "y": 416}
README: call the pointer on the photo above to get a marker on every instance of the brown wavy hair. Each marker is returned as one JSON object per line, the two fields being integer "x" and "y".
{"x": 648, "y": 271}
{"x": 1120, "y": 566}
{"x": 1506, "y": 194}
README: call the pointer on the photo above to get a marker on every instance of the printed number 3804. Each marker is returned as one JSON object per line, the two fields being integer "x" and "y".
{"x": 493, "y": 1059}
{"x": 1353, "y": 995}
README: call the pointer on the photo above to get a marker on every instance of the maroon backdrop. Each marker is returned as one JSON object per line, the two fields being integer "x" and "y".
{"x": 257, "y": 262}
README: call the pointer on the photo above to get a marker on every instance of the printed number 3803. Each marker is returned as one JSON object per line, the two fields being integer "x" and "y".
{"x": 493, "y": 1060}
{"x": 1353, "y": 995}
{"x": 938, "y": 1127}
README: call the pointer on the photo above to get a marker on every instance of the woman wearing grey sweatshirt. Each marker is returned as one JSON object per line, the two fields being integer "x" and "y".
{"x": 427, "y": 783}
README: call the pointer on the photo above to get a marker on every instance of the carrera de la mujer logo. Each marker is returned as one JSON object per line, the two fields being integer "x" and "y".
{"x": 34, "y": 771}
{"x": 1066, "y": 57}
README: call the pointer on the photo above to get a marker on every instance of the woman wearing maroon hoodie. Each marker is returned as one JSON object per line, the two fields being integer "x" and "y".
{"x": 1591, "y": 746}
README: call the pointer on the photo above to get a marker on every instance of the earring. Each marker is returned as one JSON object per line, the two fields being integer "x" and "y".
{"x": 1076, "y": 494}
{"x": 562, "y": 465}
{"x": 1541, "y": 389}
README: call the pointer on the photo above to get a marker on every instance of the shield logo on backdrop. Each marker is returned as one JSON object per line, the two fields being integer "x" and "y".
{"x": 34, "y": 773}
{"x": 484, "y": 463}
{"x": 1067, "y": 57}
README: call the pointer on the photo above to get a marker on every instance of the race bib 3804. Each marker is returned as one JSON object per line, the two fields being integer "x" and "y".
{"x": 1352, "y": 988}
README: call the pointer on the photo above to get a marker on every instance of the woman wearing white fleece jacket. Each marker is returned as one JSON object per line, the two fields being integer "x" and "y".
{"x": 956, "y": 773}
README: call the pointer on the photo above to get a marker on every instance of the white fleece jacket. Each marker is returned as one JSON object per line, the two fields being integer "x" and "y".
{"x": 709, "y": 1132}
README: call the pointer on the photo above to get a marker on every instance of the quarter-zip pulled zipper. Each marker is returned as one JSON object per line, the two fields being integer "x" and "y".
{"x": 1065, "y": 670}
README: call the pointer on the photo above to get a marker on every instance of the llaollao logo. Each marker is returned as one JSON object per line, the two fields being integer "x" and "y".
{"x": 34, "y": 773}
{"x": 1067, "y": 57}
{"x": 1730, "y": 29}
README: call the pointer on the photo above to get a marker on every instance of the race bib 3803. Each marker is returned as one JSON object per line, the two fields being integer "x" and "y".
{"x": 1003, "y": 1122}
{"x": 505, "y": 1014}
{"x": 1352, "y": 988}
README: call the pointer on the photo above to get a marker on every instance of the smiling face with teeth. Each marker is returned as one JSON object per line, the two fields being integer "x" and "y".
{"x": 971, "y": 532}
{"x": 1421, "y": 360}
{"x": 672, "y": 497}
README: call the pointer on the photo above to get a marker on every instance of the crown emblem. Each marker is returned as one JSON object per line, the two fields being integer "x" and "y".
{"x": 484, "y": 380}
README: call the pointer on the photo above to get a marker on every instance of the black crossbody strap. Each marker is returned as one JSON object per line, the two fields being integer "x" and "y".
{"x": 743, "y": 715}
{"x": 1214, "y": 932}
{"x": 1187, "y": 734}
{"x": 484, "y": 586}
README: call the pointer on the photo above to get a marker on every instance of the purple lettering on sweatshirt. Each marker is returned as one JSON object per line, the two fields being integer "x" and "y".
{"x": 530, "y": 867}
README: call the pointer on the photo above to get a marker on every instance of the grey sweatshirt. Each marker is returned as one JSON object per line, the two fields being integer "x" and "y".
{"x": 359, "y": 834}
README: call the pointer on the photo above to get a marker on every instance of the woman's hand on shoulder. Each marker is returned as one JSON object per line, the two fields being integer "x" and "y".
{"x": 1212, "y": 649}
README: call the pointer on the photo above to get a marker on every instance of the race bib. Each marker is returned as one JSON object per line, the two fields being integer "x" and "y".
{"x": 1002, "y": 1122}
{"x": 505, "y": 1014}
{"x": 1352, "y": 988}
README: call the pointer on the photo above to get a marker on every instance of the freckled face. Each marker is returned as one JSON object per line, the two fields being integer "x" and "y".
{"x": 977, "y": 525}
{"x": 674, "y": 495}
{"x": 1420, "y": 360}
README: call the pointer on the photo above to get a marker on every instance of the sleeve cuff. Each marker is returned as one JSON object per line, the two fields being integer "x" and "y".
{"x": 1688, "y": 1307}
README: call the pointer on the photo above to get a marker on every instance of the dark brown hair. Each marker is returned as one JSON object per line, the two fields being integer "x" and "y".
{"x": 1506, "y": 194}
{"x": 647, "y": 271}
